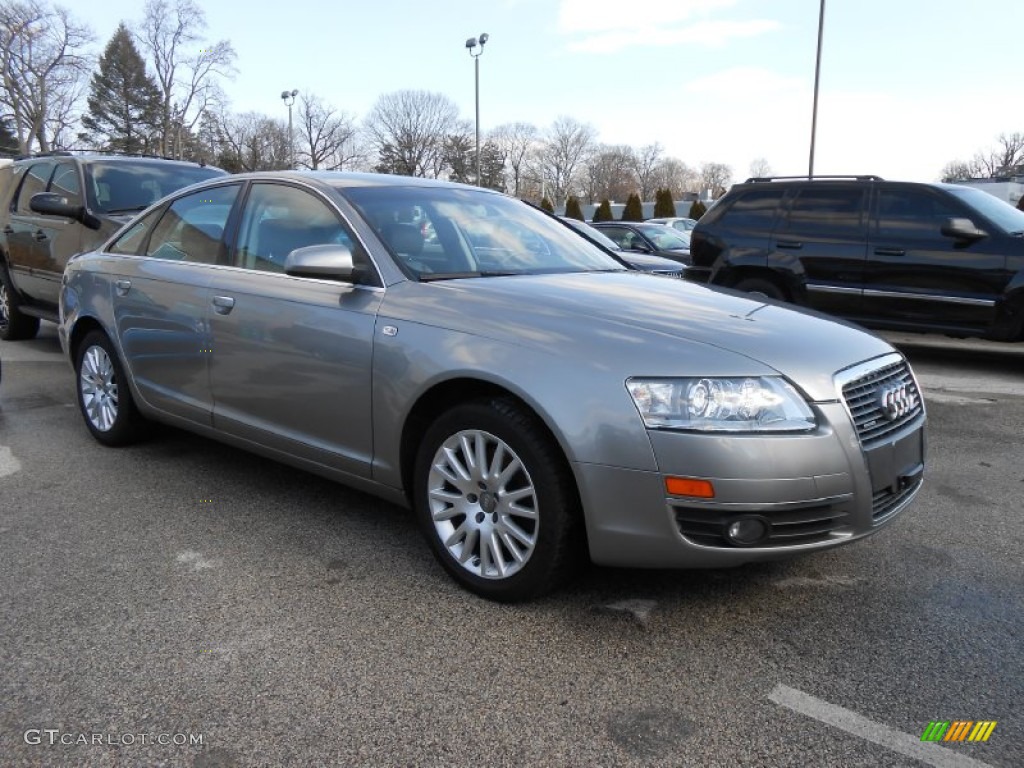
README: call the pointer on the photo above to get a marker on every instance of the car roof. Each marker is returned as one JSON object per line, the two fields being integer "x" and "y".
{"x": 95, "y": 157}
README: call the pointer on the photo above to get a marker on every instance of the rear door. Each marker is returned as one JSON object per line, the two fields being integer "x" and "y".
{"x": 822, "y": 239}
{"x": 915, "y": 275}
{"x": 27, "y": 233}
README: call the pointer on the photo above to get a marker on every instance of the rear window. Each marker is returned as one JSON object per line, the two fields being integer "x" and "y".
{"x": 127, "y": 187}
{"x": 826, "y": 211}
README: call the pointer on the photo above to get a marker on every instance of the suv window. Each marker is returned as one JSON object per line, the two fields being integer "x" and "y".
{"x": 35, "y": 181}
{"x": 755, "y": 209}
{"x": 65, "y": 183}
{"x": 912, "y": 213}
{"x": 192, "y": 227}
{"x": 826, "y": 211}
{"x": 123, "y": 186}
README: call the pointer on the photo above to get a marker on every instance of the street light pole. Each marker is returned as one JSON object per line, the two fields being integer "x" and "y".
{"x": 817, "y": 76}
{"x": 289, "y": 98}
{"x": 471, "y": 45}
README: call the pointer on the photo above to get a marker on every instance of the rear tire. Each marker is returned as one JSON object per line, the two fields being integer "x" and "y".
{"x": 104, "y": 397}
{"x": 14, "y": 325}
{"x": 762, "y": 286}
{"x": 496, "y": 502}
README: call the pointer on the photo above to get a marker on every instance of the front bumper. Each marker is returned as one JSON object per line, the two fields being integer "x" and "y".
{"x": 815, "y": 491}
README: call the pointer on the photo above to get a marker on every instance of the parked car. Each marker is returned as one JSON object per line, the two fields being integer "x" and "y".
{"x": 898, "y": 255}
{"x": 533, "y": 400}
{"x": 641, "y": 260}
{"x": 683, "y": 225}
{"x": 58, "y": 204}
{"x": 656, "y": 239}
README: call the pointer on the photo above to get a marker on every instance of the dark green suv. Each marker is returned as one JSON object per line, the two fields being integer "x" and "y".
{"x": 894, "y": 255}
{"x": 56, "y": 205}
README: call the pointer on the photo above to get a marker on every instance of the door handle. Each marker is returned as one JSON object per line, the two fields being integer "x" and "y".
{"x": 222, "y": 305}
{"x": 8, "y": 230}
{"x": 122, "y": 287}
{"x": 40, "y": 235}
{"x": 790, "y": 245}
{"x": 889, "y": 252}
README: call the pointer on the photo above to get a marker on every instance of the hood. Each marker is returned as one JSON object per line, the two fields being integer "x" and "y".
{"x": 650, "y": 325}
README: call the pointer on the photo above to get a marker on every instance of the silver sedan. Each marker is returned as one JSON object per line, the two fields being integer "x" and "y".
{"x": 457, "y": 351}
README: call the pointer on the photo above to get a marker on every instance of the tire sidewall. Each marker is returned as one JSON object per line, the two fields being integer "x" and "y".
{"x": 124, "y": 429}
{"x": 554, "y": 509}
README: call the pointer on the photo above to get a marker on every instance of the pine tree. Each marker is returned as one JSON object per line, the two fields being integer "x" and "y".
{"x": 697, "y": 210}
{"x": 8, "y": 141}
{"x": 604, "y": 211}
{"x": 547, "y": 205}
{"x": 123, "y": 100}
{"x": 664, "y": 207}
{"x": 573, "y": 209}
{"x": 634, "y": 210}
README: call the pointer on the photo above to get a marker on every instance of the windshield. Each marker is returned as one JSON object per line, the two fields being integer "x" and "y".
{"x": 437, "y": 233}
{"x": 666, "y": 238}
{"x": 593, "y": 233}
{"x": 126, "y": 186}
{"x": 1000, "y": 213}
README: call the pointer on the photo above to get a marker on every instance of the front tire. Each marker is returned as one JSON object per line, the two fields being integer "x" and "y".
{"x": 14, "y": 325}
{"x": 104, "y": 398}
{"x": 761, "y": 286}
{"x": 495, "y": 501}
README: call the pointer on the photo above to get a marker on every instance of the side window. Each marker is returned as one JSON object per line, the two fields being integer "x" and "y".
{"x": 131, "y": 241}
{"x": 192, "y": 227}
{"x": 912, "y": 213}
{"x": 35, "y": 181}
{"x": 754, "y": 210}
{"x": 278, "y": 219}
{"x": 827, "y": 212}
{"x": 65, "y": 183}
{"x": 618, "y": 235}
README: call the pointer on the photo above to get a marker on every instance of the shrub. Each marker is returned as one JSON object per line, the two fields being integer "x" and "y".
{"x": 664, "y": 206}
{"x": 573, "y": 209}
{"x": 697, "y": 210}
{"x": 634, "y": 210}
{"x": 604, "y": 211}
{"x": 547, "y": 205}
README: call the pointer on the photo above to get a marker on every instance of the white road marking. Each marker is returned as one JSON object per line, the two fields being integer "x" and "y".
{"x": 931, "y": 396}
{"x": 196, "y": 560}
{"x": 641, "y": 609}
{"x": 824, "y": 581}
{"x": 869, "y": 730}
{"x": 9, "y": 464}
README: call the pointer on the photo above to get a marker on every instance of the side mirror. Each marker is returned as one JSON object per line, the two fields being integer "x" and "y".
{"x": 636, "y": 244}
{"x": 962, "y": 229}
{"x": 52, "y": 204}
{"x": 329, "y": 262}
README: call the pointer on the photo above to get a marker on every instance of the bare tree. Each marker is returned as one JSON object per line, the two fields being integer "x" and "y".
{"x": 645, "y": 160}
{"x": 327, "y": 136}
{"x": 408, "y": 129}
{"x": 759, "y": 168}
{"x": 250, "y": 142}
{"x": 676, "y": 176}
{"x": 185, "y": 72}
{"x": 1006, "y": 159}
{"x": 715, "y": 177}
{"x": 42, "y": 64}
{"x": 515, "y": 140}
{"x": 566, "y": 145}
{"x": 610, "y": 173}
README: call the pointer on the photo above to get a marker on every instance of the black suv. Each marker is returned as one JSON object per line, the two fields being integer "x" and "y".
{"x": 896, "y": 255}
{"x": 54, "y": 206}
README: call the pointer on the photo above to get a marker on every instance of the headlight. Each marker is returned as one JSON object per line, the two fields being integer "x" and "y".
{"x": 753, "y": 404}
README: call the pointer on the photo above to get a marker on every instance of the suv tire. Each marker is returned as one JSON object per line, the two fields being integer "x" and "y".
{"x": 14, "y": 325}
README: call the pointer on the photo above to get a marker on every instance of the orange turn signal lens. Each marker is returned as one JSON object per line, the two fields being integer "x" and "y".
{"x": 689, "y": 486}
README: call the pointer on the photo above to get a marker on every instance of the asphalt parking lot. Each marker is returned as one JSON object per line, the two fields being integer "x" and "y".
{"x": 182, "y": 603}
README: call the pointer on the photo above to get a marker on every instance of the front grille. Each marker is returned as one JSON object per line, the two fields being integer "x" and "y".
{"x": 885, "y": 503}
{"x": 789, "y": 527}
{"x": 864, "y": 399}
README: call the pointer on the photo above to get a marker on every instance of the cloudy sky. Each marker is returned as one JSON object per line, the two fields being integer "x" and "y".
{"x": 906, "y": 85}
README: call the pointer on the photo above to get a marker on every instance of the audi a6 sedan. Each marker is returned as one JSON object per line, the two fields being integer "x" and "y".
{"x": 532, "y": 400}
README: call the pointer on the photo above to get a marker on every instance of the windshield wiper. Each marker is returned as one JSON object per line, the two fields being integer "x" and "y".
{"x": 133, "y": 209}
{"x": 429, "y": 277}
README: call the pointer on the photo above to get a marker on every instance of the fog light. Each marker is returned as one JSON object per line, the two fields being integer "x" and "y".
{"x": 747, "y": 531}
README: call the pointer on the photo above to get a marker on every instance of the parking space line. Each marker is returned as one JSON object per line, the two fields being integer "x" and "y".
{"x": 9, "y": 464}
{"x": 856, "y": 725}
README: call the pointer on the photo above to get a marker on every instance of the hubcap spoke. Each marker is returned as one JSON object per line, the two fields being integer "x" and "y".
{"x": 483, "y": 504}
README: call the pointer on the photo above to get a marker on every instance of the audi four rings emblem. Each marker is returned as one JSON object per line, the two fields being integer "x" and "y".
{"x": 897, "y": 401}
